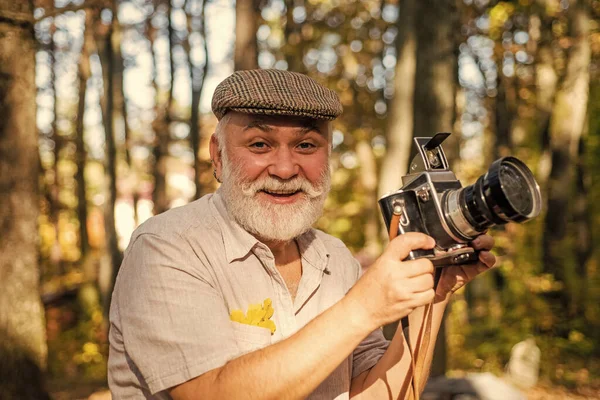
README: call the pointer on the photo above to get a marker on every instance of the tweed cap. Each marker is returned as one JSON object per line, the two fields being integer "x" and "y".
{"x": 275, "y": 92}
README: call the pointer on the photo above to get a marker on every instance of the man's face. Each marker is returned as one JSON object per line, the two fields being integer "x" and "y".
{"x": 275, "y": 172}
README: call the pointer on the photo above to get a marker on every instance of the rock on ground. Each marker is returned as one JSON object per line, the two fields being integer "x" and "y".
{"x": 474, "y": 386}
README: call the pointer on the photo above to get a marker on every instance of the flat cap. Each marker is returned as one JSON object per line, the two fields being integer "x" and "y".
{"x": 275, "y": 92}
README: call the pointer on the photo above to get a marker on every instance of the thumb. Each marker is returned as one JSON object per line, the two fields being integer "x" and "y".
{"x": 400, "y": 247}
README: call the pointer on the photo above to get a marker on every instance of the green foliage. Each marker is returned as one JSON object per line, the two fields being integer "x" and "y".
{"x": 77, "y": 343}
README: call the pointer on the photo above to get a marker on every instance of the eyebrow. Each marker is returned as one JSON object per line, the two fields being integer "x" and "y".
{"x": 310, "y": 126}
{"x": 307, "y": 126}
{"x": 257, "y": 123}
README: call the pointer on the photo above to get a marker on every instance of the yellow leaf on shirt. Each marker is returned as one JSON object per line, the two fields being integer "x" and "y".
{"x": 257, "y": 315}
{"x": 238, "y": 316}
{"x": 268, "y": 324}
{"x": 269, "y": 310}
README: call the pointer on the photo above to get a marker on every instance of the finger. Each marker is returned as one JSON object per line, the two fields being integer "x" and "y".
{"x": 483, "y": 242}
{"x": 473, "y": 269}
{"x": 402, "y": 245}
{"x": 487, "y": 258}
{"x": 422, "y": 298}
{"x": 417, "y": 267}
{"x": 420, "y": 283}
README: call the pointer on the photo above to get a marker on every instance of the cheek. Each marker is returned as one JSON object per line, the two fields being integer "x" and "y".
{"x": 315, "y": 168}
{"x": 251, "y": 167}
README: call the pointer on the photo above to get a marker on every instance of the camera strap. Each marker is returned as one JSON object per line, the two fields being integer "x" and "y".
{"x": 418, "y": 352}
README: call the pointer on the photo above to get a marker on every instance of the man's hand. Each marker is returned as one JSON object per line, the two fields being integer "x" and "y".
{"x": 455, "y": 277}
{"x": 391, "y": 288}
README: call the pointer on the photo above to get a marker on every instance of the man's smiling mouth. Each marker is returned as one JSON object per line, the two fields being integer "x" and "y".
{"x": 281, "y": 193}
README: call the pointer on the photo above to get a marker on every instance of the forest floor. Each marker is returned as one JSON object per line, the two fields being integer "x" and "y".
{"x": 543, "y": 392}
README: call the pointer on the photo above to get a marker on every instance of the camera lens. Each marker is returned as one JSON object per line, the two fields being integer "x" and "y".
{"x": 515, "y": 186}
{"x": 507, "y": 192}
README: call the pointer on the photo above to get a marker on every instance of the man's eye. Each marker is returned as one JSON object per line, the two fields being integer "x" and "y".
{"x": 259, "y": 145}
{"x": 306, "y": 146}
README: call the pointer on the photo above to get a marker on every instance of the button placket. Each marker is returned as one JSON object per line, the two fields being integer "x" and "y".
{"x": 314, "y": 264}
{"x": 309, "y": 283}
{"x": 285, "y": 306}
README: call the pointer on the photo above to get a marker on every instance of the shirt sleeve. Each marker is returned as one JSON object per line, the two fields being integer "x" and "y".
{"x": 368, "y": 352}
{"x": 175, "y": 324}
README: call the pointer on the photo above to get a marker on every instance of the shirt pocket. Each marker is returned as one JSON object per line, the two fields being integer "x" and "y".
{"x": 250, "y": 338}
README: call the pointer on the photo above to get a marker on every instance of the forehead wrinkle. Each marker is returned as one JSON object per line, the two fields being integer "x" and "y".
{"x": 305, "y": 126}
{"x": 309, "y": 128}
{"x": 258, "y": 123}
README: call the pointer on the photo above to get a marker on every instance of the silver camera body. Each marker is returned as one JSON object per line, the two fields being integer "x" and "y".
{"x": 433, "y": 201}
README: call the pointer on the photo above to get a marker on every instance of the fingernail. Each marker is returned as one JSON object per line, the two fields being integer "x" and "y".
{"x": 475, "y": 242}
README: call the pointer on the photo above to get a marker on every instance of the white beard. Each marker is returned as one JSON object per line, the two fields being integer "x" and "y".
{"x": 266, "y": 220}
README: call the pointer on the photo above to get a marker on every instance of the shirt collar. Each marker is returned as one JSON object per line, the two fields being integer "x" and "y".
{"x": 312, "y": 249}
{"x": 239, "y": 242}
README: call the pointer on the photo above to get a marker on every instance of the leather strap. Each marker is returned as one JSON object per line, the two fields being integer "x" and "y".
{"x": 419, "y": 352}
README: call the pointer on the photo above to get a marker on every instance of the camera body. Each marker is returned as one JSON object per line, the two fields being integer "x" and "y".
{"x": 433, "y": 201}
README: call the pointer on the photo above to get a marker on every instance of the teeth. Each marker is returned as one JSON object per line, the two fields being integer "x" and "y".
{"x": 281, "y": 191}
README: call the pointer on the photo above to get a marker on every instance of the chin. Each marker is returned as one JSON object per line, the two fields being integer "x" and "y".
{"x": 276, "y": 239}
{"x": 280, "y": 228}
{"x": 273, "y": 220}
{"x": 277, "y": 222}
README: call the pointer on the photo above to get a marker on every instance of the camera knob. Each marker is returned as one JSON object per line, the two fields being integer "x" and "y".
{"x": 461, "y": 258}
{"x": 423, "y": 193}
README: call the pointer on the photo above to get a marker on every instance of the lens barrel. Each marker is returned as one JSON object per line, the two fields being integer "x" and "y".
{"x": 507, "y": 192}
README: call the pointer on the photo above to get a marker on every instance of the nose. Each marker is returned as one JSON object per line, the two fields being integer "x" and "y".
{"x": 283, "y": 165}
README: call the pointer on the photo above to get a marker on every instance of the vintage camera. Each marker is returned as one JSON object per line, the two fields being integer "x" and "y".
{"x": 433, "y": 201}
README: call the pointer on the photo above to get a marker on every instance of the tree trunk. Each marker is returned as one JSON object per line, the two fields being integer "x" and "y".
{"x": 546, "y": 84}
{"x": 106, "y": 46}
{"x": 198, "y": 77}
{"x": 368, "y": 180}
{"x": 246, "y": 24}
{"x": 399, "y": 131}
{"x": 161, "y": 128}
{"x": 55, "y": 204}
{"x": 22, "y": 333}
{"x": 424, "y": 101}
{"x": 294, "y": 48}
{"x": 566, "y": 127}
{"x": 503, "y": 116}
{"x": 81, "y": 157}
{"x": 583, "y": 223}
{"x": 436, "y": 74}
{"x": 435, "y": 95}
{"x": 120, "y": 106}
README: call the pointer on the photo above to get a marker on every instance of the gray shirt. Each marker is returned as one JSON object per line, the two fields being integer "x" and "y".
{"x": 184, "y": 273}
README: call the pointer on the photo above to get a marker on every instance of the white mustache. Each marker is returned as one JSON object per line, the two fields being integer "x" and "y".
{"x": 274, "y": 185}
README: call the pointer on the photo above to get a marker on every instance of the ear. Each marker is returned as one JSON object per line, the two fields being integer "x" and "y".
{"x": 215, "y": 156}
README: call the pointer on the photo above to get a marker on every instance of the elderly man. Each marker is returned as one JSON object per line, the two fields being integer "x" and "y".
{"x": 236, "y": 296}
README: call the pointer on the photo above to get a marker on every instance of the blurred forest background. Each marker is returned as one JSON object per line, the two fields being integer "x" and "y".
{"x": 105, "y": 119}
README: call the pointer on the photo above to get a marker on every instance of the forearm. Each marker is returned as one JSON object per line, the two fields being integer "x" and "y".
{"x": 290, "y": 369}
{"x": 390, "y": 377}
